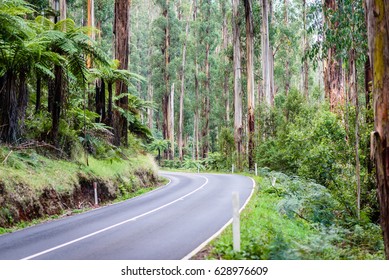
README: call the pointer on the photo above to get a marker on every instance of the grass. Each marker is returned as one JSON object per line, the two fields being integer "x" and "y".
{"x": 281, "y": 222}
{"x": 26, "y": 175}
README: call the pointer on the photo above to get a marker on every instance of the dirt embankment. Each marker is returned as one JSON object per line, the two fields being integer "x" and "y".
{"x": 22, "y": 203}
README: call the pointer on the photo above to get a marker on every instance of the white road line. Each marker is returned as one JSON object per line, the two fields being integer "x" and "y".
{"x": 116, "y": 225}
{"x": 202, "y": 245}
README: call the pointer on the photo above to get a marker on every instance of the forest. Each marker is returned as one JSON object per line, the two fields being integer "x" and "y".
{"x": 295, "y": 87}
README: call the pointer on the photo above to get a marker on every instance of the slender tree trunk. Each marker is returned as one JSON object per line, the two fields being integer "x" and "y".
{"x": 62, "y": 9}
{"x": 226, "y": 93}
{"x": 166, "y": 77}
{"x": 23, "y": 98}
{"x": 182, "y": 95}
{"x": 171, "y": 122}
{"x": 354, "y": 99}
{"x": 109, "y": 109}
{"x": 196, "y": 115}
{"x": 305, "y": 47}
{"x": 57, "y": 103}
{"x": 378, "y": 26}
{"x": 266, "y": 53}
{"x": 250, "y": 80}
{"x": 121, "y": 32}
{"x": 150, "y": 110}
{"x": 238, "y": 119}
{"x": 206, "y": 105}
{"x": 38, "y": 94}
{"x": 368, "y": 117}
{"x": 287, "y": 62}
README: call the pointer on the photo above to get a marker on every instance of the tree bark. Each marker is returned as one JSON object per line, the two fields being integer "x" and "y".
{"x": 238, "y": 119}
{"x": 378, "y": 24}
{"x": 121, "y": 33}
{"x": 182, "y": 94}
{"x": 226, "y": 93}
{"x": 59, "y": 85}
{"x": 38, "y": 94}
{"x": 8, "y": 104}
{"x": 333, "y": 80}
{"x": 266, "y": 53}
{"x": 287, "y": 62}
{"x": 305, "y": 47}
{"x": 250, "y": 80}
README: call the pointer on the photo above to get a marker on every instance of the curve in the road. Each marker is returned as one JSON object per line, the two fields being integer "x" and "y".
{"x": 172, "y": 222}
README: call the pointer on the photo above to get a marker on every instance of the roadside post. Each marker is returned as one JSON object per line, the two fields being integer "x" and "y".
{"x": 256, "y": 170}
{"x": 235, "y": 221}
{"x": 95, "y": 191}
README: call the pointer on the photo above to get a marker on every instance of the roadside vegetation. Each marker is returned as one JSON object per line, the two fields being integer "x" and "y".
{"x": 296, "y": 218}
{"x": 34, "y": 187}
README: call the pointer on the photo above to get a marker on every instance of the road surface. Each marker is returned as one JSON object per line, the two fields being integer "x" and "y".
{"x": 171, "y": 222}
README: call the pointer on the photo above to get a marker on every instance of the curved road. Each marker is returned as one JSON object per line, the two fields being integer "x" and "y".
{"x": 172, "y": 222}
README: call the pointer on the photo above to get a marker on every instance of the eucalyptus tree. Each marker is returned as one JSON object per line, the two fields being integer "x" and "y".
{"x": 238, "y": 115}
{"x": 250, "y": 79}
{"x": 377, "y": 15}
{"x": 121, "y": 32}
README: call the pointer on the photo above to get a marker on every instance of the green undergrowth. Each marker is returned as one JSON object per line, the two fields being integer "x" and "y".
{"x": 35, "y": 187}
{"x": 298, "y": 219}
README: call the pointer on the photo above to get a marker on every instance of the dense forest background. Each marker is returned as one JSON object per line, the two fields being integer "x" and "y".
{"x": 282, "y": 84}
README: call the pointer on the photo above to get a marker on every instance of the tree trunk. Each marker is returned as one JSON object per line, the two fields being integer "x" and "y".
{"x": 38, "y": 94}
{"x": 238, "y": 119}
{"x": 182, "y": 95}
{"x": 378, "y": 24}
{"x": 57, "y": 103}
{"x": 368, "y": 117}
{"x": 287, "y": 62}
{"x": 250, "y": 80}
{"x": 354, "y": 100}
{"x": 333, "y": 81}
{"x": 305, "y": 47}
{"x": 23, "y": 97}
{"x": 226, "y": 93}
{"x": 9, "y": 115}
{"x": 266, "y": 53}
{"x": 166, "y": 78}
{"x": 121, "y": 33}
{"x": 150, "y": 110}
{"x": 171, "y": 122}
{"x": 109, "y": 121}
{"x": 62, "y": 9}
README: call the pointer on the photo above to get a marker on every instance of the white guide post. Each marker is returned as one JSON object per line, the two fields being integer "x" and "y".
{"x": 256, "y": 170}
{"x": 235, "y": 221}
{"x": 95, "y": 190}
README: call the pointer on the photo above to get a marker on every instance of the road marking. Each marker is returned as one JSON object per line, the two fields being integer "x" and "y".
{"x": 116, "y": 225}
{"x": 202, "y": 245}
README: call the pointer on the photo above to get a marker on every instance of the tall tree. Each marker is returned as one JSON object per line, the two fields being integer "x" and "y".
{"x": 378, "y": 26}
{"x": 333, "y": 78}
{"x": 266, "y": 53}
{"x": 238, "y": 118}
{"x": 121, "y": 32}
{"x": 182, "y": 94}
{"x": 250, "y": 79}
{"x": 305, "y": 48}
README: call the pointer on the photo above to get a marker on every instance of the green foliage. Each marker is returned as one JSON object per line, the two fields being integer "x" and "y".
{"x": 297, "y": 219}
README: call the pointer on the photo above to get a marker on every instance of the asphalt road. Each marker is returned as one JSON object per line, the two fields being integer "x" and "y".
{"x": 168, "y": 223}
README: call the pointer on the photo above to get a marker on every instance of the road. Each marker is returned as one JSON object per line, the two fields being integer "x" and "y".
{"x": 168, "y": 223}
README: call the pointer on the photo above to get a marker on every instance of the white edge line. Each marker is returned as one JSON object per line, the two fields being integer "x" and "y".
{"x": 115, "y": 225}
{"x": 205, "y": 243}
